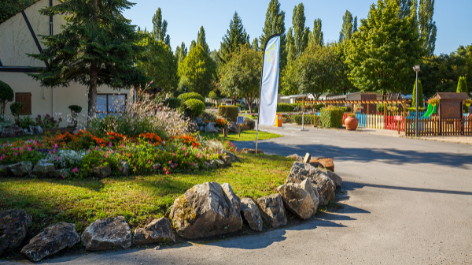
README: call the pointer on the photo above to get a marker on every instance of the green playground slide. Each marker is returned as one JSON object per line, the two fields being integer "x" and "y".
{"x": 431, "y": 110}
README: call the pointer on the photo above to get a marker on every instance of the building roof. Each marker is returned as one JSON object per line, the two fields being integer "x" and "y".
{"x": 295, "y": 96}
{"x": 452, "y": 95}
{"x": 12, "y": 15}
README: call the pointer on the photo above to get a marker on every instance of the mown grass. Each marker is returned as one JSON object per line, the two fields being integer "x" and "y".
{"x": 246, "y": 135}
{"x": 22, "y": 138}
{"x": 138, "y": 198}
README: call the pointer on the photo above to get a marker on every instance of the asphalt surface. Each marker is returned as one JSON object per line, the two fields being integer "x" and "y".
{"x": 407, "y": 202}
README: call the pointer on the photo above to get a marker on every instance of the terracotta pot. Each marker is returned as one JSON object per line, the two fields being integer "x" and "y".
{"x": 351, "y": 123}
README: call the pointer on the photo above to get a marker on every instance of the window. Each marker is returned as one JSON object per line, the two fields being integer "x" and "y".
{"x": 24, "y": 98}
{"x": 110, "y": 104}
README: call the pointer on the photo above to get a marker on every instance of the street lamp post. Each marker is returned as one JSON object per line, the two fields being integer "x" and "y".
{"x": 417, "y": 70}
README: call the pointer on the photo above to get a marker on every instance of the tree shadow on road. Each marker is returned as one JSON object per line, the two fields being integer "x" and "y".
{"x": 353, "y": 186}
{"x": 390, "y": 155}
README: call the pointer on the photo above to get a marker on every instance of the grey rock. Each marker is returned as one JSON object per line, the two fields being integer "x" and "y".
{"x": 220, "y": 163}
{"x": 4, "y": 170}
{"x": 192, "y": 126}
{"x": 338, "y": 181}
{"x": 227, "y": 160}
{"x": 272, "y": 210}
{"x": 210, "y": 128}
{"x": 198, "y": 120}
{"x": 75, "y": 131}
{"x": 52, "y": 240}
{"x": 13, "y": 228}
{"x": 106, "y": 234}
{"x": 235, "y": 205}
{"x": 156, "y": 166}
{"x": 205, "y": 210}
{"x": 38, "y": 129}
{"x": 251, "y": 151}
{"x": 13, "y": 131}
{"x": 211, "y": 164}
{"x": 297, "y": 200}
{"x": 124, "y": 168}
{"x": 60, "y": 173}
{"x": 43, "y": 168}
{"x": 20, "y": 169}
{"x": 251, "y": 214}
{"x": 102, "y": 172}
{"x": 308, "y": 186}
{"x": 202, "y": 128}
{"x": 307, "y": 158}
{"x": 296, "y": 157}
{"x": 234, "y": 158}
{"x": 159, "y": 230}
{"x": 233, "y": 127}
{"x": 325, "y": 186}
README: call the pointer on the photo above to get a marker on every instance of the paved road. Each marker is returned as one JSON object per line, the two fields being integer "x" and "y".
{"x": 408, "y": 202}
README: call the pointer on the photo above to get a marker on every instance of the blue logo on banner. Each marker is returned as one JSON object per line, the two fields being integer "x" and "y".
{"x": 240, "y": 120}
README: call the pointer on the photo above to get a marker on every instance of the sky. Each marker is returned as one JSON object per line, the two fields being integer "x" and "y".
{"x": 184, "y": 18}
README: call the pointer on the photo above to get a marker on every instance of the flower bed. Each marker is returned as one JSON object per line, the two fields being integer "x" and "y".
{"x": 82, "y": 152}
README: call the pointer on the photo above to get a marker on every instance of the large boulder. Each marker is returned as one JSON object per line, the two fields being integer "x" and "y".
{"x": 125, "y": 168}
{"x": 60, "y": 173}
{"x": 210, "y": 128}
{"x": 297, "y": 198}
{"x": 105, "y": 234}
{"x": 101, "y": 172}
{"x": 234, "y": 158}
{"x": 20, "y": 169}
{"x": 52, "y": 240}
{"x": 251, "y": 214}
{"x": 233, "y": 127}
{"x": 338, "y": 181}
{"x": 206, "y": 210}
{"x": 308, "y": 186}
{"x": 43, "y": 168}
{"x": 13, "y": 131}
{"x": 227, "y": 160}
{"x": 295, "y": 157}
{"x": 325, "y": 186}
{"x": 251, "y": 151}
{"x": 272, "y": 210}
{"x": 159, "y": 230}
{"x": 13, "y": 228}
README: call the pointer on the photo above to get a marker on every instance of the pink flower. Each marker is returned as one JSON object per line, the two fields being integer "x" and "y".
{"x": 199, "y": 156}
{"x": 110, "y": 144}
{"x": 170, "y": 162}
{"x": 75, "y": 170}
{"x": 96, "y": 147}
{"x": 29, "y": 149}
{"x": 15, "y": 154}
{"x": 129, "y": 155}
{"x": 55, "y": 146}
{"x": 173, "y": 154}
{"x": 186, "y": 153}
{"x": 121, "y": 168}
{"x": 63, "y": 177}
{"x": 106, "y": 156}
{"x": 149, "y": 161}
{"x": 21, "y": 148}
{"x": 208, "y": 156}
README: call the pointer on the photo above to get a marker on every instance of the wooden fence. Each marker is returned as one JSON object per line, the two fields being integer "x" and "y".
{"x": 435, "y": 127}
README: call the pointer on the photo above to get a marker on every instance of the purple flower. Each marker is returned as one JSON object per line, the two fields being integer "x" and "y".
{"x": 75, "y": 170}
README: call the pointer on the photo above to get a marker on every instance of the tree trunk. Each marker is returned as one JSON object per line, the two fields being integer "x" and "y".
{"x": 92, "y": 94}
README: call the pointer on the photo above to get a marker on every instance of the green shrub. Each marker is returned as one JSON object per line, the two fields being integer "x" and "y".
{"x": 6, "y": 95}
{"x": 285, "y": 107}
{"x": 173, "y": 103}
{"x": 308, "y": 119}
{"x": 462, "y": 85}
{"x": 228, "y": 112}
{"x": 75, "y": 108}
{"x": 255, "y": 109}
{"x": 195, "y": 107}
{"x": 16, "y": 108}
{"x": 191, "y": 95}
{"x": 332, "y": 117}
{"x": 420, "y": 95}
{"x": 413, "y": 109}
{"x": 26, "y": 121}
{"x": 249, "y": 122}
{"x": 319, "y": 106}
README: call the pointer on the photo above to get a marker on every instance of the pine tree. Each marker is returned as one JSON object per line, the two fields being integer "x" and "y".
{"x": 420, "y": 95}
{"x": 462, "y": 85}
{"x": 427, "y": 26}
{"x": 317, "y": 35}
{"x": 235, "y": 35}
{"x": 98, "y": 47}
{"x": 291, "y": 48}
{"x": 159, "y": 28}
{"x": 347, "y": 28}
{"x": 193, "y": 44}
{"x": 180, "y": 52}
{"x": 275, "y": 24}
{"x": 354, "y": 29}
{"x": 201, "y": 40}
{"x": 197, "y": 71}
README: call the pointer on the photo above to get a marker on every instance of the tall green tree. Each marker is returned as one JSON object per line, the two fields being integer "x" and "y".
{"x": 201, "y": 40}
{"x": 98, "y": 47}
{"x": 235, "y": 35}
{"x": 180, "y": 52}
{"x": 240, "y": 77}
{"x": 420, "y": 95}
{"x": 427, "y": 25}
{"x": 159, "y": 28}
{"x": 317, "y": 35}
{"x": 10, "y": 7}
{"x": 193, "y": 44}
{"x": 255, "y": 44}
{"x": 197, "y": 71}
{"x": 349, "y": 27}
{"x": 384, "y": 49}
{"x": 275, "y": 24}
{"x": 160, "y": 64}
{"x": 300, "y": 32}
{"x": 462, "y": 85}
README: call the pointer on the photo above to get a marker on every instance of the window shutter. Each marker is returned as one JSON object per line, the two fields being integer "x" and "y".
{"x": 24, "y": 98}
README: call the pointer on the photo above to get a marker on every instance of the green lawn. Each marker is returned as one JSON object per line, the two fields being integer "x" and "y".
{"x": 138, "y": 198}
{"x": 246, "y": 135}
{"x": 23, "y": 138}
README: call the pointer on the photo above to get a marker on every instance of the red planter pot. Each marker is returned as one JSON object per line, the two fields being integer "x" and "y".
{"x": 351, "y": 123}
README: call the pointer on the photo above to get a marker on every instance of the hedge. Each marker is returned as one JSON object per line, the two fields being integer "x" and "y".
{"x": 186, "y": 96}
{"x": 412, "y": 109}
{"x": 229, "y": 112}
{"x": 308, "y": 119}
{"x": 195, "y": 107}
{"x": 172, "y": 103}
{"x": 285, "y": 107}
{"x": 332, "y": 117}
